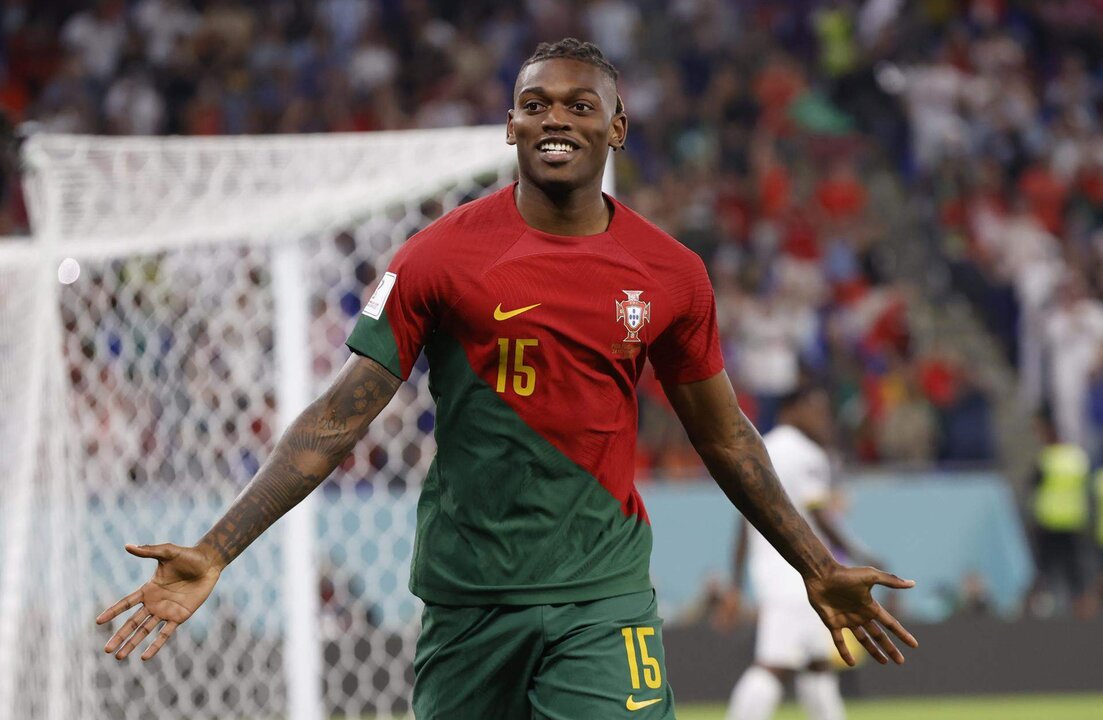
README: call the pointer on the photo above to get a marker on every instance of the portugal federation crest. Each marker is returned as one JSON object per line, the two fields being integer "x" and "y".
{"x": 634, "y": 313}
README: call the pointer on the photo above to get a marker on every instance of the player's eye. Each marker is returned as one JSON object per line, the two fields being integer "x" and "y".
{"x": 532, "y": 106}
{"x": 582, "y": 107}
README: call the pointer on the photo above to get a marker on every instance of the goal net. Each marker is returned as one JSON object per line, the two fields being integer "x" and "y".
{"x": 219, "y": 279}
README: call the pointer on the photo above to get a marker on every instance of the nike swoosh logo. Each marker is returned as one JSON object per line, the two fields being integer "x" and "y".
{"x": 632, "y": 705}
{"x": 499, "y": 314}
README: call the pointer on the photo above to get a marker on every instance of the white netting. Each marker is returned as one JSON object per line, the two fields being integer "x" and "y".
{"x": 163, "y": 400}
{"x": 37, "y": 502}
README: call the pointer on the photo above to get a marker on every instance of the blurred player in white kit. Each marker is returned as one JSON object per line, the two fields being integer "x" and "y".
{"x": 791, "y": 640}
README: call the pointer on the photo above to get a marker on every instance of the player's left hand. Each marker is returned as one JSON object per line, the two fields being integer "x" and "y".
{"x": 843, "y": 599}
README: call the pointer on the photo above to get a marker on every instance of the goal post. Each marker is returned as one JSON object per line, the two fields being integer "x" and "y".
{"x": 219, "y": 278}
{"x": 37, "y": 515}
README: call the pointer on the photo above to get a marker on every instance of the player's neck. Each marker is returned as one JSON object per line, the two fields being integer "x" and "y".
{"x": 579, "y": 211}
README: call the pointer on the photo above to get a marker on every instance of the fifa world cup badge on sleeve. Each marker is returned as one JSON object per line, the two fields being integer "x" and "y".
{"x": 634, "y": 313}
{"x": 378, "y": 299}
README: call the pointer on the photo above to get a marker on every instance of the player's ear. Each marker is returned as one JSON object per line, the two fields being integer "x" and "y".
{"x": 511, "y": 137}
{"x": 618, "y": 127}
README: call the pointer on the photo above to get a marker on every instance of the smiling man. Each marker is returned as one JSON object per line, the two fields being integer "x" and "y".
{"x": 538, "y": 308}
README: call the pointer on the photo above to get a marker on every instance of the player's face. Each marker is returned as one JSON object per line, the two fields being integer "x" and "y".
{"x": 563, "y": 123}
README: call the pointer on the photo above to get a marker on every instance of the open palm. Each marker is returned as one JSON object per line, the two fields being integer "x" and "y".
{"x": 182, "y": 582}
{"x": 843, "y": 600}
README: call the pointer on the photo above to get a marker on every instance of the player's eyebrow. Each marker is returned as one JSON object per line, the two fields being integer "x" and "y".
{"x": 538, "y": 90}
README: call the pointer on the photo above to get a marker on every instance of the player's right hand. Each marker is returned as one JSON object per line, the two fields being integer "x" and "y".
{"x": 843, "y": 599}
{"x": 183, "y": 580}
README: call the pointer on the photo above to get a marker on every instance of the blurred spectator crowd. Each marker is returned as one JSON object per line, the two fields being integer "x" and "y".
{"x": 793, "y": 145}
{"x": 1006, "y": 136}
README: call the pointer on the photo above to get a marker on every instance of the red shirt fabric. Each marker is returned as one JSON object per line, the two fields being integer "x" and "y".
{"x": 481, "y": 255}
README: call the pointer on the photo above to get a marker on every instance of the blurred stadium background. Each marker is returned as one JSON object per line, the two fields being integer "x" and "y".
{"x": 902, "y": 198}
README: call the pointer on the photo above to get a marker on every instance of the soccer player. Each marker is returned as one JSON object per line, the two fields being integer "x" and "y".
{"x": 537, "y": 307}
{"x": 791, "y": 640}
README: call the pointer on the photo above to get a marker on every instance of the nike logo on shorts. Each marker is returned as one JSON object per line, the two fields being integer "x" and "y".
{"x": 634, "y": 705}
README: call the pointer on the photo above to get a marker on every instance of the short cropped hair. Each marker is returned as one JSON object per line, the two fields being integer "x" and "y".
{"x": 575, "y": 49}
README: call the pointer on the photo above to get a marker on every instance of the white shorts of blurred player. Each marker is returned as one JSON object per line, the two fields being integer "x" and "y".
{"x": 791, "y": 635}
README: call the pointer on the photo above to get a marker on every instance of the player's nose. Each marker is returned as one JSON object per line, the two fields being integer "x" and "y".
{"x": 556, "y": 118}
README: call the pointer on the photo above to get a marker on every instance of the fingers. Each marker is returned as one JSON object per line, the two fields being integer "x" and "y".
{"x": 840, "y": 645}
{"x": 869, "y": 644}
{"x": 120, "y": 607}
{"x": 162, "y": 637}
{"x": 126, "y": 630}
{"x": 137, "y": 628}
{"x": 894, "y": 626}
{"x": 880, "y": 577}
{"x": 884, "y": 642}
{"x": 144, "y": 628}
{"x": 164, "y": 551}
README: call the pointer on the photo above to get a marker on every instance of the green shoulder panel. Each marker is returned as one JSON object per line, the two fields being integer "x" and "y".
{"x": 375, "y": 339}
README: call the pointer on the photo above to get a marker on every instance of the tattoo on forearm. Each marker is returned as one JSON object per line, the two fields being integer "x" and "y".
{"x": 319, "y": 439}
{"x": 745, "y": 474}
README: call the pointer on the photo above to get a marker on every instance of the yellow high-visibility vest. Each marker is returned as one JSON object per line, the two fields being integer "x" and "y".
{"x": 1061, "y": 500}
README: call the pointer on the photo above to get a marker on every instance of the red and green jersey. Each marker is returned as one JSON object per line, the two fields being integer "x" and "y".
{"x": 535, "y": 344}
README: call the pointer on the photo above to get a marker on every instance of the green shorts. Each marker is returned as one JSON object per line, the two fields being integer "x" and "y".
{"x": 581, "y": 661}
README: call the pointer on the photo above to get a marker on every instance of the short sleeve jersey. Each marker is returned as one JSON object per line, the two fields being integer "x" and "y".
{"x": 535, "y": 343}
{"x": 804, "y": 469}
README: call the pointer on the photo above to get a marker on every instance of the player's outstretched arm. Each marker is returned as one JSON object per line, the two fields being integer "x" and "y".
{"x": 736, "y": 458}
{"x": 320, "y": 438}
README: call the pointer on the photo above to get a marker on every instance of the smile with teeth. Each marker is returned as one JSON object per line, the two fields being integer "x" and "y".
{"x": 558, "y": 149}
